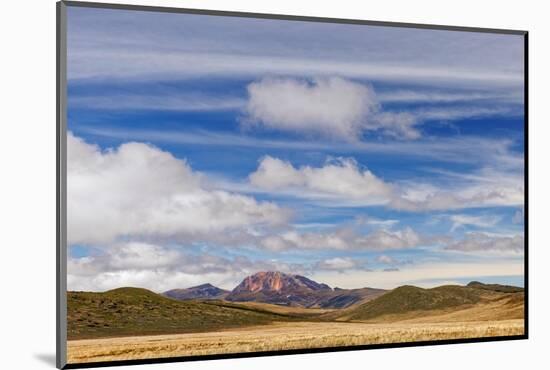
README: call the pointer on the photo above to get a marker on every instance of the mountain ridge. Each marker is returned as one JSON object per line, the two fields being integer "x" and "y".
{"x": 293, "y": 290}
{"x": 203, "y": 291}
{"x": 275, "y": 287}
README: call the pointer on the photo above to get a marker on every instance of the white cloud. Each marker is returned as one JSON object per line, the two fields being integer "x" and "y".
{"x": 161, "y": 268}
{"x": 341, "y": 181}
{"x": 347, "y": 239}
{"x": 337, "y": 108}
{"x": 400, "y": 125}
{"x": 436, "y": 96}
{"x": 338, "y": 179}
{"x": 457, "y": 113}
{"x": 120, "y": 63}
{"x": 477, "y": 221}
{"x": 325, "y": 106}
{"x": 385, "y": 239}
{"x": 479, "y": 189}
{"x": 340, "y": 264}
{"x": 481, "y": 242}
{"x": 139, "y": 190}
{"x": 161, "y": 101}
{"x": 373, "y": 221}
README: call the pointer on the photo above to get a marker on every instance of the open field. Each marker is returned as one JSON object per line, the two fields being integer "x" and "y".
{"x": 281, "y": 336}
{"x": 130, "y": 323}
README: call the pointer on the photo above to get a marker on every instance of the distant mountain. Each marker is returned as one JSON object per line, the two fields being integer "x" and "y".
{"x": 295, "y": 290}
{"x": 204, "y": 291}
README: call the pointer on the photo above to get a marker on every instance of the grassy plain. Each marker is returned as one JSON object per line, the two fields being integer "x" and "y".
{"x": 282, "y": 336}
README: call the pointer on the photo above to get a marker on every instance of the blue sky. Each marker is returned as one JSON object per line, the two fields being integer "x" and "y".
{"x": 203, "y": 149}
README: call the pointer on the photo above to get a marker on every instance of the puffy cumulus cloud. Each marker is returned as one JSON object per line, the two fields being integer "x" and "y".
{"x": 459, "y": 221}
{"x": 347, "y": 239}
{"x": 161, "y": 268}
{"x": 481, "y": 242}
{"x": 325, "y": 106}
{"x": 138, "y": 190}
{"x": 339, "y": 178}
{"x": 343, "y": 182}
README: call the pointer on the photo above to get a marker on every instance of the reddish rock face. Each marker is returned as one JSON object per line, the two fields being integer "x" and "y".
{"x": 261, "y": 281}
{"x": 274, "y": 281}
{"x": 294, "y": 290}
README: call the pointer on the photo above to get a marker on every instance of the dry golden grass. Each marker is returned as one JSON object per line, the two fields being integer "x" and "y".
{"x": 282, "y": 336}
{"x": 284, "y": 310}
{"x": 492, "y": 309}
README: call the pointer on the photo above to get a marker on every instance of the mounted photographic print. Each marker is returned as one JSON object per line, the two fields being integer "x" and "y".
{"x": 235, "y": 184}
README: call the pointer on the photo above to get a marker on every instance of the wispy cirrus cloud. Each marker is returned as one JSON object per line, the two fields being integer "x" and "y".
{"x": 341, "y": 264}
{"x": 118, "y": 45}
{"x": 346, "y": 239}
{"x": 482, "y": 242}
{"x": 437, "y": 96}
{"x": 474, "y": 150}
{"x": 482, "y": 221}
{"x": 156, "y": 102}
{"x": 108, "y": 44}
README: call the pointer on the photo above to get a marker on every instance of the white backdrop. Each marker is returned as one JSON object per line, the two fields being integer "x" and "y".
{"x": 28, "y": 182}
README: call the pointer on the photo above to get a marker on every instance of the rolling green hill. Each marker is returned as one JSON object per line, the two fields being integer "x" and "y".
{"x": 406, "y": 299}
{"x": 135, "y": 311}
{"x": 410, "y": 298}
{"x": 495, "y": 287}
